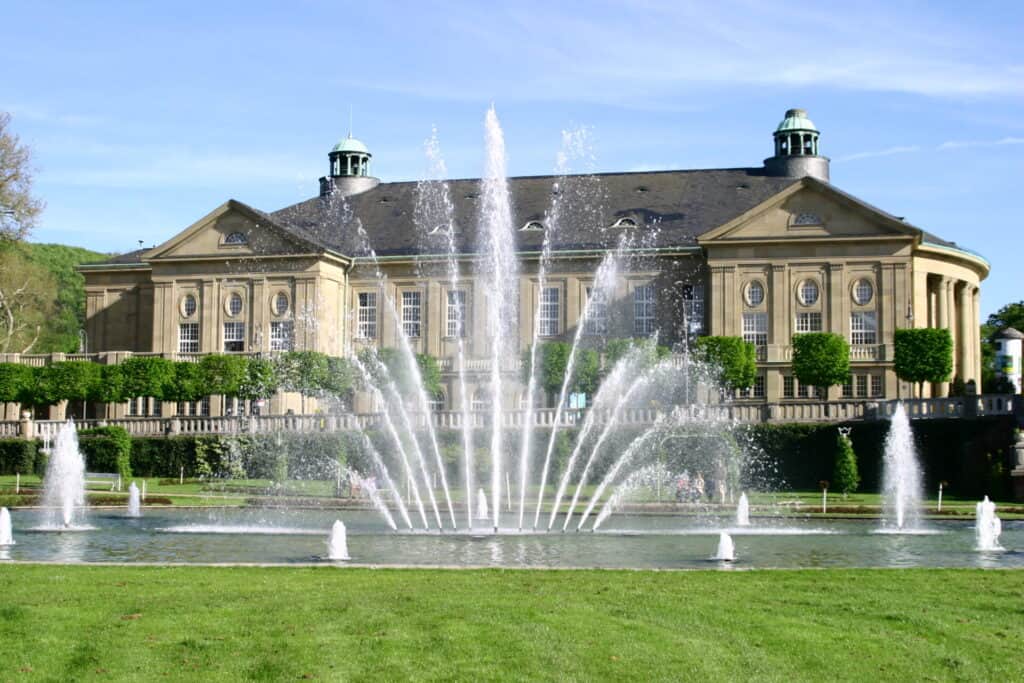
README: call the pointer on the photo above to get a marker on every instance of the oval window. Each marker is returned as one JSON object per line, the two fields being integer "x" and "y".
{"x": 189, "y": 305}
{"x": 862, "y": 292}
{"x": 281, "y": 303}
{"x": 235, "y": 304}
{"x": 755, "y": 294}
{"x": 808, "y": 292}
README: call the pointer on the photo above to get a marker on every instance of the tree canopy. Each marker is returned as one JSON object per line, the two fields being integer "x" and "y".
{"x": 553, "y": 362}
{"x": 923, "y": 354}
{"x": 734, "y": 359}
{"x": 18, "y": 208}
{"x": 821, "y": 359}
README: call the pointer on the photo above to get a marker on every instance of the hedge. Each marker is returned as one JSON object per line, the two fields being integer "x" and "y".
{"x": 107, "y": 449}
{"x": 18, "y": 456}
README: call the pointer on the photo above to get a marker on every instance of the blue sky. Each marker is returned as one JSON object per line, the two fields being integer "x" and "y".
{"x": 145, "y": 116}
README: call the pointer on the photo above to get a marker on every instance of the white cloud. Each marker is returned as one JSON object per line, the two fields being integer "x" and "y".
{"x": 904, "y": 149}
{"x": 964, "y": 144}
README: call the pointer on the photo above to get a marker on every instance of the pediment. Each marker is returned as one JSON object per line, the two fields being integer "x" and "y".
{"x": 232, "y": 230}
{"x": 811, "y": 210}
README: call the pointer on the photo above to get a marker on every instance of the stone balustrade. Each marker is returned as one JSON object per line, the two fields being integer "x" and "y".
{"x": 739, "y": 412}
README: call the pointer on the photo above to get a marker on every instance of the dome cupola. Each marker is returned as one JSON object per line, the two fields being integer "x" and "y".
{"x": 349, "y": 169}
{"x": 796, "y": 148}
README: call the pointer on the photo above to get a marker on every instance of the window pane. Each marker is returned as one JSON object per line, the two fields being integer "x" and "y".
{"x": 366, "y": 316}
{"x": 188, "y": 338}
{"x": 456, "y": 313}
{"x": 411, "y": 314}
{"x": 282, "y": 335}
{"x": 863, "y": 326}
{"x": 597, "y": 311}
{"x": 549, "y": 311}
{"x": 643, "y": 310}
{"x": 234, "y": 337}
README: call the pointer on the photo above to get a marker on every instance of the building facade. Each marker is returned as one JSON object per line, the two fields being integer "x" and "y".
{"x": 764, "y": 253}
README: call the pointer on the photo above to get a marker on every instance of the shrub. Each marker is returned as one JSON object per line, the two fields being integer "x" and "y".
{"x": 223, "y": 374}
{"x": 187, "y": 383}
{"x": 821, "y": 359}
{"x": 109, "y": 387}
{"x": 107, "y": 449}
{"x": 845, "y": 477}
{"x": 146, "y": 376}
{"x": 18, "y": 456}
{"x": 553, "y": 362}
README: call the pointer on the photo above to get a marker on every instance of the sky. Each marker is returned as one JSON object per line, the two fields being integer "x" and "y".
{"x": 145, "y": 116}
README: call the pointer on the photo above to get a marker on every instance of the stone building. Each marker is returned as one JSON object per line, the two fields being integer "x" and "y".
{"x": 764, "y": 253}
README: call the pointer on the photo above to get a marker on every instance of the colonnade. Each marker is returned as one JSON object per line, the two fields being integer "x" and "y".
{"x": 953, "y": 304}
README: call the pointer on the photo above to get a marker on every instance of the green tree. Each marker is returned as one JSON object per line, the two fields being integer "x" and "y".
{"x": 60, "y": 332}
{"x": 109, "y": 388}
{"x": 223, "y": 373}
{"x": 27, "y": 300}
{"x": 735, "y": 359}
{"x": 821, "y": 359}
{"x": 304, "y": 372}
{"x": 553, "y": 363}
{"x": 401, "y": 374}
{"x": 1010, "y": 315}
{"x": 341, "y": 376}
{"x": 187, "y": 383}
{"x": 261, "y": 379}
{"x": 13, "y": 377}
{"x": 146, "y": 376}
{"x": 923, "y": 354}
{"x": 845, "y": 476}
{"x": 615, "y": 349}
{"x": 18, "y": 208}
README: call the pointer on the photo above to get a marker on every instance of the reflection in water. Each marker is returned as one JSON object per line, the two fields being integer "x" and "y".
{"x": 638, "y": 541}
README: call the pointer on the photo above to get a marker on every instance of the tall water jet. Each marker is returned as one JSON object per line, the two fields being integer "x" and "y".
{"x": 337, "y": 542}
{"x": 64, "y": 483}
{"x": 987, "y": 526}
{"x": 6, "y": 535}
{"x": 498, "y": 268}
{"x": 481, "y": 505}
{"x": 743, "y": 511}
{"x": 134, "y": 501}
{"x": 436, "y": 213}
{"x": 726, "y": 548}
{"x": 901, "y": 474}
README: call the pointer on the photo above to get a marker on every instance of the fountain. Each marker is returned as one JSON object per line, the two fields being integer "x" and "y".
{"x": 987, "y": 526}
{"x": 64, "y": 483}
{"x": 134, "y": 501}
{"x": 337, "y": 542}
{"x": 726, "y": 548}
{"x": 6, "y": 536}
{"x": 743, "y": 511}
{"x": 481, "y": 505}
{"x": 902, "y": 475}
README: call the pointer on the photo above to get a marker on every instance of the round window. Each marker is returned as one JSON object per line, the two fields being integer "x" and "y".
{"x": 808, "y": 292}
{"x": 235, "y": 304}
{"x": 189, "y": 305}
{"x": 862, "y": 292}
{"x": 755, "y": 294}
{"x": 281, "y": 303}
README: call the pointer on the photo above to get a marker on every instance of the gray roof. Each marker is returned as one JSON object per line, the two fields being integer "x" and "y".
{"x": 671, "y": 208}
{"x": 1009, "y": 333}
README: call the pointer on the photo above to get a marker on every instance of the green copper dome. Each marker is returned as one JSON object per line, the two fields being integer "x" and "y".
{"x": 796, "y": 119}
{"x": 350, "y": 144}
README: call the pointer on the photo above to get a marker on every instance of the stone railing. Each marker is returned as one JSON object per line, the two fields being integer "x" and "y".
{"x": 752, "y": 412}
{"x": 858, "y": 352}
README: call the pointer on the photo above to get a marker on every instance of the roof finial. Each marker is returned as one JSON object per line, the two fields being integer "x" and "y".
{"x": 350, "y": 121}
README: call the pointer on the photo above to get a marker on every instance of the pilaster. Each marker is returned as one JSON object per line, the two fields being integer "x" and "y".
{"x": 838, "y": 321}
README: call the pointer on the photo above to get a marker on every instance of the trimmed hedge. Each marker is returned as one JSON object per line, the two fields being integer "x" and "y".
{"x": 18, "y": 456}
{"x": 972, "y": 455}
{"x": 107, "y": 449}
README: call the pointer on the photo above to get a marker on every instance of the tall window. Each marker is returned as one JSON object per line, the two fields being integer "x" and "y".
{"x": 808, "y": 322}
{"x": 456, "y": 313}
{"x": 643, "y": 310}
{"x": 188, "y": 338}
{"x": 366, "y": 316}
{"x": 693, "y": 308}
{"x": 755, "y": 329}
{"x": 549, "y": 311}
{"x": 282, "y": 335}
{"x": 876, "y": 386}
{"x": 787, "y": 386}
{"x": 234, "y": 337}
{"x": 597, "y": 311}
{"x": 411, "y": 310}
{"x": 863, "y": 327}
{"x": 862, "y": 386}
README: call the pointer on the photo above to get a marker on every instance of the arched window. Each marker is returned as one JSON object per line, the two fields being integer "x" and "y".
{"x": 481, "y": 400}
{"x": 236, "y": 238}
{"x": 533, "y": 226}
{"x": 624, "y": 223}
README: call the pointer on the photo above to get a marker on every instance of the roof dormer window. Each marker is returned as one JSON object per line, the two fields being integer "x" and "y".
{"x": 625, "y": 223}
{"x": 236, "y": 238}
{"x": 806, "y": 218}
{"x": 533, "y": 226}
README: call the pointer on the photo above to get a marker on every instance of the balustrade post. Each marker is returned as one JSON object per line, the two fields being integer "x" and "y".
{"x": 26, "y": 427}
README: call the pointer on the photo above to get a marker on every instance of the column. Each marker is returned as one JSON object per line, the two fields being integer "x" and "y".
{"x": 976, "y": 335}
{"x": 778, "y": 311}
{"x": 837, "y": 321}
{"x": 965, "y": 343}
{"x": 943, "y": 305}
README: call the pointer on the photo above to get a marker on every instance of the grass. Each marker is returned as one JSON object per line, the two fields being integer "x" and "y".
{"x": 203, "y": 623}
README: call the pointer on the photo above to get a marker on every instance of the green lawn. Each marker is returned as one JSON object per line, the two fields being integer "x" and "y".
{"x": 201, "y": 623}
